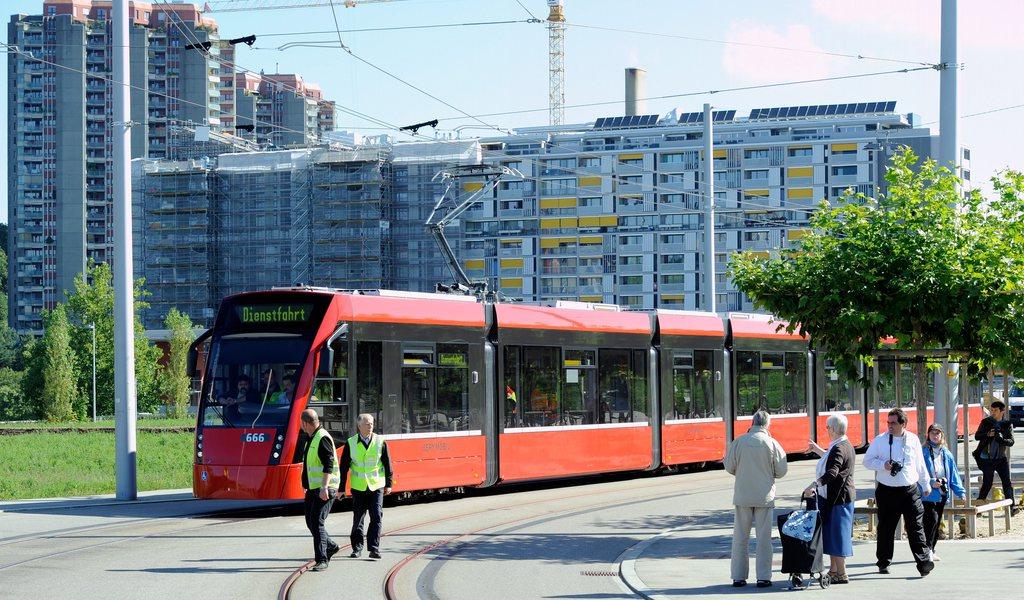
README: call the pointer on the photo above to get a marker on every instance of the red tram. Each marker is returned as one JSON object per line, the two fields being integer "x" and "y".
{"x": 471, "y": 394}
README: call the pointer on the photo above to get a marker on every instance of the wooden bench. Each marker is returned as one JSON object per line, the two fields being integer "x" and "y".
{"x": 971, "y": 513}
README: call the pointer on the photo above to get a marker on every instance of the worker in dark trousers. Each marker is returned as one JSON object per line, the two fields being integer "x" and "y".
{"x": 321, "y": 477}
{"x": 366, "y": 456}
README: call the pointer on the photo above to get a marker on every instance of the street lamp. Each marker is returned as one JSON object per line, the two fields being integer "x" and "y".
{"x": 92, "y": 327}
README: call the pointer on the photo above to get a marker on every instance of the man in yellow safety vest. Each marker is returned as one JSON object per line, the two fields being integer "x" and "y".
{"x": 321, "y": 477}
{"x": 366, "y": 455}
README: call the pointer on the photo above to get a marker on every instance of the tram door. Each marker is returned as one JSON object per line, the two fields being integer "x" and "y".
{"x": 329, "y": 397}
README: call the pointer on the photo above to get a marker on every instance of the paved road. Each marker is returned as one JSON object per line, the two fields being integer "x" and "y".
{"x": 667, "y": 536}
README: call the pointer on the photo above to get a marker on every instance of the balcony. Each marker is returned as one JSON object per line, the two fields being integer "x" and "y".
{"x": 559, "y": 290}
{"x": 631, "y": 268}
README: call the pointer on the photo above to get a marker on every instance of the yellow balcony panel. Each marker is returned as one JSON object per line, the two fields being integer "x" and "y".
{"x": 760, "y": 254}
{"x": 511, "y": 263}
{"x": 632, "y": 156}
{"x": 590, "y": 182}
{"x": 800, "y": 147}
{"x": 844, "y": 147}
{"x": 474, "y": 264}
{"x": 472, "y": 186}
{"x": 609, "y": 221}
{"x": 800, "y": 193}
{"x": 796, "y": 234}
{"x": 591, "y": 298}
{"x": 511, "y": 282}
{"x": 557, "y": 202}
{"x": 591, "y": 239}
{"x": 550, "y": 223}
{"x": 672, "y": 297}
{"x": 590, "y": 221}
{"x": 800, "y": 172}
{"x": 512, "y": 241}
{"x": 554, "y": 242}
{"x": 568, "y": 223}
{"x": 756, "y": 193}
{"x": 719, "y": 153}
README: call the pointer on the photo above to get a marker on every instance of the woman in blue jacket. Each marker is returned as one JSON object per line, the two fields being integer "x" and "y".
{"x": 944, "y": 477}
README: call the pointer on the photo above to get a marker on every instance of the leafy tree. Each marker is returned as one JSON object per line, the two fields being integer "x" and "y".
{"x": 174, "y": 379}
{"x": 33, "y": 355}
{"x": 92, "y": 301}
{"x": 926, "y": 264}
{"x": 60, "y": 391}
{"x": 13, "y": 406}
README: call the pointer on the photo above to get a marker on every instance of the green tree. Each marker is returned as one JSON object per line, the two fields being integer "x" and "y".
{"x": 174, "y": 380}
{"x": 925, "y": 264}
{"x": 60, "y": 390}
{"x": 92, "y": 301}
{"x": 13, "y": 406}
{"x": 33, "y": 355}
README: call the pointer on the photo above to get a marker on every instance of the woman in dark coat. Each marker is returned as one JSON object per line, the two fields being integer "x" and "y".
{"x": 836, "y": 492}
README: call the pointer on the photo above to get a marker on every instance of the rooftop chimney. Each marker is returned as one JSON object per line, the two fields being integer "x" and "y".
{"x": 636, "y": 90}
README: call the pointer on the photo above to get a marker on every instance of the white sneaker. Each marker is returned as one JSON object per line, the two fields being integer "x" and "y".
{"x": 935, "y": 557}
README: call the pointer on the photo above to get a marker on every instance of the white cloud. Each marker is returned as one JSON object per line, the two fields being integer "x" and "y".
{"x": 756, "y": 55}
{"x": 992, "y": 23}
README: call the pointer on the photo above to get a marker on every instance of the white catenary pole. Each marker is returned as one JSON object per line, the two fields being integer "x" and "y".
{"x": 124, "y": 306}
{"x": 709, "y": 213}
{"x": 947, "y": 383}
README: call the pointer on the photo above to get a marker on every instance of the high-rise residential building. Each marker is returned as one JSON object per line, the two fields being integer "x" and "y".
{"x": 59, "y": 152}
{"x": 279, "y": 109}
{"x": 609, "y": 211}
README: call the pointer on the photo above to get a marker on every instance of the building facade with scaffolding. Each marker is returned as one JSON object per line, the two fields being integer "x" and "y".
{"x": 608, "y": 211}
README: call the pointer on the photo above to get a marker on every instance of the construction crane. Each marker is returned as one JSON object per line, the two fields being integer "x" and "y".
{"x": 492, "y": 175}
{"x": 556, "y": 62}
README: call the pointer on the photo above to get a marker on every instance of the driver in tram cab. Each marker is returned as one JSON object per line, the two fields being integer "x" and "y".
{"x": 243, "y": 393}
{"x": 286, "y": 395}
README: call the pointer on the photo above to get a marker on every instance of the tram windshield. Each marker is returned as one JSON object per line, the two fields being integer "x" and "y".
{"x": 251, "y": 379}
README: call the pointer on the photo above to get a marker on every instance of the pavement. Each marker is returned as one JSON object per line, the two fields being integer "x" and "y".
{"x": 648, "y": 537}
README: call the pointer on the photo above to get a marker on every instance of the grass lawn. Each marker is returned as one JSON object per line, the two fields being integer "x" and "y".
{"x": 43, "y": 465}
{"x": 141, "y": 424}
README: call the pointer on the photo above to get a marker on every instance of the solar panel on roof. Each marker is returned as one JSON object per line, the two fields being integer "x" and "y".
{"x": 872, "y": 107}
{"x": 772, "y": 113}
{"x": 861, "y": 107}
{"x": 890, "y": 106}
{"x": 802, "y": 111}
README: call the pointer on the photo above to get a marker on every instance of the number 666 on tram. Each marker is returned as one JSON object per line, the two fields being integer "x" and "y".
{"x": 476, "y": 394}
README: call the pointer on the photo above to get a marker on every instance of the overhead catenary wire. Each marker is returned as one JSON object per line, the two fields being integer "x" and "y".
{"x": 747, "y": 44}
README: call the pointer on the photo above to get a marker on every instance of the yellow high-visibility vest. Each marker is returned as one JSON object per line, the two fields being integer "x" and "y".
{"x": 315, "y": 469}
{"x": 367, "y": 468}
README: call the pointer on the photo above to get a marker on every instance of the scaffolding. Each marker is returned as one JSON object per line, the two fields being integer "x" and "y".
{"x": 174, "y": 249}
{"x": 350, "y": 207}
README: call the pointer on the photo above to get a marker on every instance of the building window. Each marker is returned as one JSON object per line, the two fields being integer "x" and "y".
{"x": 558, "y": 186}
{"x": 755, "y": 174}
{"x": 631, "y": 280}
{"x": 755, "y": 236}
{"x": 632, "y": 162}
{"x": 756, "y": 153}
{"x": 631, "y": 179}
{"x": 844, "y": 170}
{"x": 673, "y": 259}
{"x": 671, "y": 158}
{"x": 590, "y": 161}
{"x": 673, "y": 279}
{"x": 590, "y": 202}
{"x": 804, "y": 151}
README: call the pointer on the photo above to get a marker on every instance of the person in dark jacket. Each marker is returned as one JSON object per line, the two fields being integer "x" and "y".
{"x": 994, "y": 436}
{"x": 321, "y": 478}
{"x": 945, "y": 479}
{"x": 836, "y": 492}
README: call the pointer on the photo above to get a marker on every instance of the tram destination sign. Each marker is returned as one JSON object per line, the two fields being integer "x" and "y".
{"x": 273, "y": 314}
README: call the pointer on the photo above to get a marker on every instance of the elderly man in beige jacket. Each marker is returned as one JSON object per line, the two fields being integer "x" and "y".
{"x": 756, "y": 460}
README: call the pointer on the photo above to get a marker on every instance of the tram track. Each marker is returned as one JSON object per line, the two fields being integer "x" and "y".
{"x": 390, "y": 592}
{"x": 389, "y": 580}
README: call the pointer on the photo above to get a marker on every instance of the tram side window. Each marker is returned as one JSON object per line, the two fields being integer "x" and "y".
{"x": 579, "y": 388}
{"x": 369, "y": 380}
{"x": 692, "y": 387}
{"x": 838, "y": 394}
{"x": 748, "y": 383}
{"x": 773, "y": 382}
{"x": 541, "y": 396}
{"x": 623, "y": 383}
{"x": 886, "y": 392}
{"x": 329, "y": 398}
{"x": 795, "y": 384}
{"x": 435, "y": 388}
{"x": 513, "y": 407}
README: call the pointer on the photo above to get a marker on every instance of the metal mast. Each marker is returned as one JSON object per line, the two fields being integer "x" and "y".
{"x": 556, "y": 62}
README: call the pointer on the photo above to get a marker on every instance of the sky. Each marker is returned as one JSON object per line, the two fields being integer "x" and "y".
{"x": 504, "y": 67}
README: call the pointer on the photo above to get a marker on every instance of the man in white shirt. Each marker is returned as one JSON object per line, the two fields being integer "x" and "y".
{"x": 900, "y": 478}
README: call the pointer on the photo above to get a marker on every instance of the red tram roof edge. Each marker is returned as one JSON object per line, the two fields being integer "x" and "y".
{"x": 568, "y": 319}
